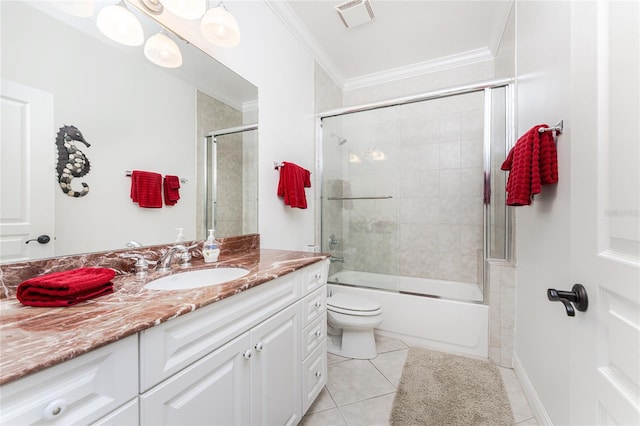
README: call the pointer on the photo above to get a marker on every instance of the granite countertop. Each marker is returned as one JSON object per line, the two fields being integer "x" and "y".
{"x": 32, "y": 338}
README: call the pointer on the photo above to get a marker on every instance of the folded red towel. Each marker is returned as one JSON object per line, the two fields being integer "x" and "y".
{"x": 146, "y": 188}
{"x": 171, "y": 190}
{"x": 533, "y": 162}
{"x": 66, "y": 288}
{"x": 293, "y": 180}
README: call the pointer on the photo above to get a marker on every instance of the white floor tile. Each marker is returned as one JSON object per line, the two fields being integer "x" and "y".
{"x": 323, "y": 402}
{"x": 324, "y": 418}
{"x": 332, "y": 359}
{"x": 370, "y": 412}
{"x": 519, "y": 404}
{"x": 387, "y": 344}
{"x": 356, "y": 380}
{"x": 390, "y": 364}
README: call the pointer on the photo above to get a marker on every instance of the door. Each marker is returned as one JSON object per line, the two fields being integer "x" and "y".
{"x": 276, "y": 369}
{"x": 27, "y": 179}
{"x": 605, "y": 185}
{"x": 212, "y": 391}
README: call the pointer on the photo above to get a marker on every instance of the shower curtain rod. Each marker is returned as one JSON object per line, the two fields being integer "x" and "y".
{"x": 440, "y": 93}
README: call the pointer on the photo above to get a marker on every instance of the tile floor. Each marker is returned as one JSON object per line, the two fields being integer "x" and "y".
{"x": 361, "y": 392}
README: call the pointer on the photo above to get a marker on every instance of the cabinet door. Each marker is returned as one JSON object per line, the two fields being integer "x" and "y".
{"x": 275, "y": 378}
{"x": 212, "y": 391}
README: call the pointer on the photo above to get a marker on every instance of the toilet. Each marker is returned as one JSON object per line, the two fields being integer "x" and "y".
{"x": 351, "y": 320}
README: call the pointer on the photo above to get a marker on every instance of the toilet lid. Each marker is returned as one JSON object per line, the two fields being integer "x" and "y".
{"x": 347, "y": 302}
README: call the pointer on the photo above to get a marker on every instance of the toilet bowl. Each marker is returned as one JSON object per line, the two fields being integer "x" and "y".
{"x": 351, "y": 321}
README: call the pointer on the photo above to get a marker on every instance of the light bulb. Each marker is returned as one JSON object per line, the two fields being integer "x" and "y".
{"x": 163, "y": 51}
{"x": 187, "y": 9}
{"x": 119, "y": 24}
{"x": 219, "y": 27}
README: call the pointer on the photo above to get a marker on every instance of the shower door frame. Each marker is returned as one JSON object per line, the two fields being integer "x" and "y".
{"x": 484, "y": 86}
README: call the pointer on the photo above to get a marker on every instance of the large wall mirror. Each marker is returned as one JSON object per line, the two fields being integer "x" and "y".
{"x": 59, "y": 70}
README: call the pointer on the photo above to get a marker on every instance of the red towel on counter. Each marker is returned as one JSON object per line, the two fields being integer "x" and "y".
{"x": 293, "y": 180}
{"x": 66, "y": 288}
{"x": 146, "y": 189}
{"x": 533, "y": 162}
{"x": 171, "y": 190}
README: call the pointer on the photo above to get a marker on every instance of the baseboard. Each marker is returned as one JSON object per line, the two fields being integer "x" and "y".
{"x": 542, "y": 417}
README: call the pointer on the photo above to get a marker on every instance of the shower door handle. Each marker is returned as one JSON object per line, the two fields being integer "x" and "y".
{"x": 577, "y": 296}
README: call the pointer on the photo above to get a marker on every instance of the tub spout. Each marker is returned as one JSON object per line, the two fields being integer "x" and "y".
{"x": 336, "y": 259}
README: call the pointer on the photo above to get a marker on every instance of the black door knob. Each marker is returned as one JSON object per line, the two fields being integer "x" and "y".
{"x": 42, "y": 239}
{"x": 577, "y": 296}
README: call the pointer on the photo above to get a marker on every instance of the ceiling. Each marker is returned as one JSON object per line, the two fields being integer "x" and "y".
{"x": 404, "y": 34}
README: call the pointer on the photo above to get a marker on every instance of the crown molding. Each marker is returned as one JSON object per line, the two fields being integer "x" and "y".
{"x": 249, "y": 106}
{"x": 420, "y": 68}
{"x": 288, "y": 17}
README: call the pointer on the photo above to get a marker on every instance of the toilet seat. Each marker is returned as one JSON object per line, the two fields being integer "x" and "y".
{"x": 353, "y": 305}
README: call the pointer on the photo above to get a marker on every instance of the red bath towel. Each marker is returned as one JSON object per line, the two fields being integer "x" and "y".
{"x": 146, "y": 189}
{"x": 293, "y": 180}
{"x": 66, "y": 288}
{"x": 533, "y": 162}
{"x": 171, "y": 190}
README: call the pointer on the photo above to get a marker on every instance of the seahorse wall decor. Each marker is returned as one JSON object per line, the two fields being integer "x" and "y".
{"x": 72, "y": 162}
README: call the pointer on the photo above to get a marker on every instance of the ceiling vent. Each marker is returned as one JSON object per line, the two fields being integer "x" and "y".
{"x": 355, "y": 12}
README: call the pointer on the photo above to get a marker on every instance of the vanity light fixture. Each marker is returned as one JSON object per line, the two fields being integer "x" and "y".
{"x": 187, "y": 9}
{"x": 163, "y": 51}
{"x": 119, "y": 24}
{"x": 219, "y": 27}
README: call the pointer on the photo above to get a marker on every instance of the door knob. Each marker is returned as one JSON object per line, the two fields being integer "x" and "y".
{"x": 577, "y": 296}
{"x": 42, "y": 239}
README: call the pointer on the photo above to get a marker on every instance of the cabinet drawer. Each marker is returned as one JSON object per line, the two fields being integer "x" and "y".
{"x": 79, "y": 391}
{"x": 170, "y": 347}
{"x": 313, "y": 335}
{"x": 314, "y": 375}
{"x": 127, "y": 415}
{"x": 314, "y": 276}
{"x": 314, "y": 305}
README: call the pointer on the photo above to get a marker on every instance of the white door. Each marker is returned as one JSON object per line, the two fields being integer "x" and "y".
{"x": 605, "y": 203}
{"x": 27, "y": 172}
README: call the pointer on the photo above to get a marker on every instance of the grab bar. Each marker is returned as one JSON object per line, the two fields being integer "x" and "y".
{"x": 384, "y": 197}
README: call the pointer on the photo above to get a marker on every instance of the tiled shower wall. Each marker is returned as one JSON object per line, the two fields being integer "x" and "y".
{"x": 428, "y": 157}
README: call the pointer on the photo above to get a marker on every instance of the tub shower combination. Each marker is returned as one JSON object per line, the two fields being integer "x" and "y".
{"x": 412, "y": 209}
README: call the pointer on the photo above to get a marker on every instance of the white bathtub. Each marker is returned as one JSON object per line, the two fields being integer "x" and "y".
{"x": 421, "y": 286}
{"x": 437, "y": 323}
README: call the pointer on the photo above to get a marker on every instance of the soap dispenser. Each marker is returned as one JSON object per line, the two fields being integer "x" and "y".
{"x": 211, "y": 248}
{"x": 180, "y": 236}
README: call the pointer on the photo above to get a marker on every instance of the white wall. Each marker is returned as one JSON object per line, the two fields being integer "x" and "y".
{"x": 273, "y": 60}
{"x": 541, "y": 355}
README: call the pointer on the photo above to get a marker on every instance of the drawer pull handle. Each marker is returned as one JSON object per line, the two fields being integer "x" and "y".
{"x": 317, "y": 276}
{"x": 259, "y": 346}
{"x": 318, "y": 304}
{"x": 318, "y": 373}
{"x": 318, "y": 333}
{"x": 55, "y": 408}
{"x": 247, "y": 354}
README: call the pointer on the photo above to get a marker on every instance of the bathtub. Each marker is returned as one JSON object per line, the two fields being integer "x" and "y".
{"x": 438, "y": 323}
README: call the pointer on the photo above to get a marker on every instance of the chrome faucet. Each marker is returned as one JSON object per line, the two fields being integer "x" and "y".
{"x": 141, "y": 265}
{"x": 164, "y": 263}
{"x": 336, "y": 259}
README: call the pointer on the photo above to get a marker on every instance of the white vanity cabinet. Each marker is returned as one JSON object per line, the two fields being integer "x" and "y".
{"x": 80, "y": 391}
{"x": 240, "y": 361}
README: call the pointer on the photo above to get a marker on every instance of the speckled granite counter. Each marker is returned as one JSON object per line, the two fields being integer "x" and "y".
{"x": 32, "y": 339}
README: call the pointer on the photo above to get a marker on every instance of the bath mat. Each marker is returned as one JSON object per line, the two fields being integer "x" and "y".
{"x": 443, "y": 389}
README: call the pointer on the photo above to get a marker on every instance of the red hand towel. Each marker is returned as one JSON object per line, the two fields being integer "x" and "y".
{"x": 146, "y": 189}
{"x": 171, "y": 190}
{"x": 533, "y": 162}
{"x": 293, "y": 180}
{"x": 66, "y": 288}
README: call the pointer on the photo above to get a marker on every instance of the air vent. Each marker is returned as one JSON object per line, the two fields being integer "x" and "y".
{"x": 355, "y": 12}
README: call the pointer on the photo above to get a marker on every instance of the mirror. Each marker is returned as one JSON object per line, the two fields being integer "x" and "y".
{"x": 135, "y": 115}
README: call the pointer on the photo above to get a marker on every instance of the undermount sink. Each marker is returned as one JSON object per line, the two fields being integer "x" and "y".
{"x": 196, "y": 279}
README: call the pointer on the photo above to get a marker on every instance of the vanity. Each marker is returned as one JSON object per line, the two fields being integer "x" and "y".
{"x": 249, "y": 351}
